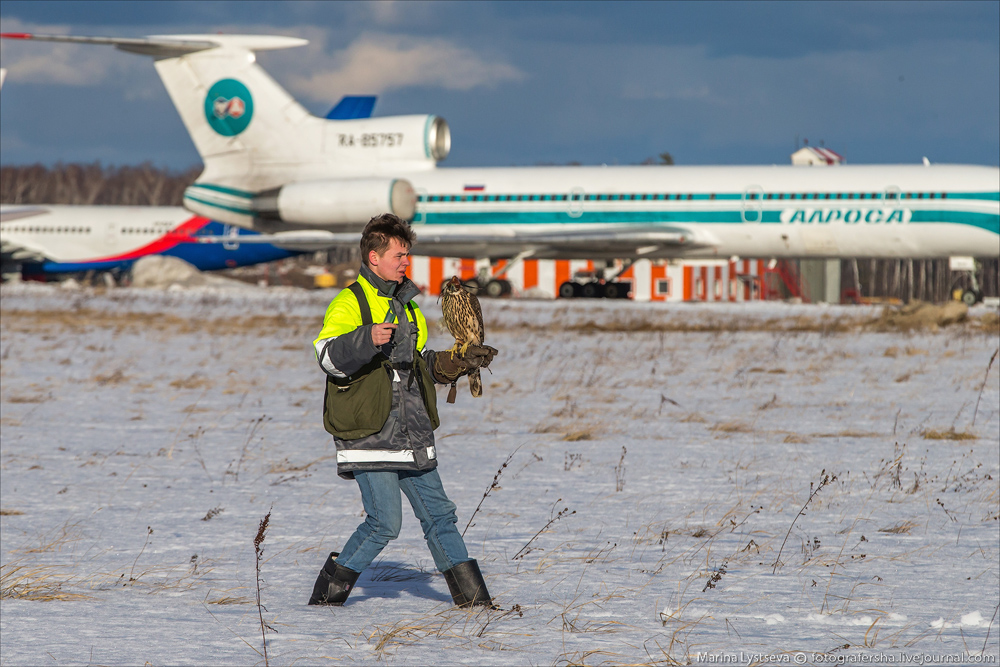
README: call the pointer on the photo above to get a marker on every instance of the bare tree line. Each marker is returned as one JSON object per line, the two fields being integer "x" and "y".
{"x": 91, "y": 184}
{"x": 908, "y": 279}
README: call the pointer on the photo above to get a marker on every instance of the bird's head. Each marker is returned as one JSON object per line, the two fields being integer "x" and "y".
{"x": 454, "y": 286}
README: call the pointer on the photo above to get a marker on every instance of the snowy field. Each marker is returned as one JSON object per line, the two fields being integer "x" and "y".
{"x": 683, "y": 485}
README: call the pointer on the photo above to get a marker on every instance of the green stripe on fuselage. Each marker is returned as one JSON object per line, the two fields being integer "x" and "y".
{"x": 224, "y": 190}
{"x": 987, "y": 221}
{"x": 241, "y": 211}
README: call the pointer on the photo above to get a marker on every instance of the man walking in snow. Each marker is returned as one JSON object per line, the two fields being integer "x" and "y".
{"x": 380, "y": 406}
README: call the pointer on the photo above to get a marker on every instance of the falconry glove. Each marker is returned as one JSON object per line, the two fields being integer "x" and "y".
{"x": 448, "y": 366}
{"x": 480, "y": 356}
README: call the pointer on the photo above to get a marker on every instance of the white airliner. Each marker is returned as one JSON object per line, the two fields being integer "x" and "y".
{"x": 273, "y": 167}
{"x": 37, "y": 241}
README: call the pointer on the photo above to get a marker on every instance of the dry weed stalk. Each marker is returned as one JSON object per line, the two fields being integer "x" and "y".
{"x": 495, "y": 484}
{"x": 620, "y": 472}
{"x": 524, "y": 551}
{"x": 131, "y": 578}
{"x": 983, "y": 385}
{"x": 258, "y": 547}
{"x": 212, "y": 513}
{"x": 813, "y": 490}
{"x": 255, "y": 424}
{"x": 995, "y": 610}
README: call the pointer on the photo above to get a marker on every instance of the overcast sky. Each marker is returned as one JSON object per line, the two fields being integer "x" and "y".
{"x": 525, "y": 83}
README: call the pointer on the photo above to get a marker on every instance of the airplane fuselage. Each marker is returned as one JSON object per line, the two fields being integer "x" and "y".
{"x": 910, "y": 211}
{"x": 64, "y": 239}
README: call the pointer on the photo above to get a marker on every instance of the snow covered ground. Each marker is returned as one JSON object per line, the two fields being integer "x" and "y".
{"x": 658, "y": 460}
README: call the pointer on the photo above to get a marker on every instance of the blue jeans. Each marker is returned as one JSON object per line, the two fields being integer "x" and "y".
{"x": 383, "y": 505}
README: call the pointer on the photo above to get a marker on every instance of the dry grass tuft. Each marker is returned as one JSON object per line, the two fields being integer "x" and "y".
{"x": 989, "y": 323}
{"x": 732, "y": 427}
{"x": 804, "y": 323}
{"x": 112, "y": 378}
{"x": 86, "y": 319}
{"x": 795, "y": 439}
{"x": 194, "y": 381}
{"x": 950, "y": 434}
{"x": 33, "y": 398}
{"x": 918, "y": 315}
{"x": 231, "y": 599}
{"x": 901, "y": 528}
{"x": 847, "y": 433}
{"x": 7, "y": 512}
{"x": 576, "y": 436}
{"x": 55, "y": 539}
{"x": 692, "y": 417}
{"x": 39, "y": 583}
{"x": 286, "y": 466}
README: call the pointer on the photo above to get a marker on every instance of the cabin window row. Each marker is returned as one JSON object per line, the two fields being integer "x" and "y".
{"x": 137, "y": 230}
{"x": 47, "y": 230}
{"x": 892, "y": 195}
{"x": 558, "y": 197}
{"x": 578, "y": 197}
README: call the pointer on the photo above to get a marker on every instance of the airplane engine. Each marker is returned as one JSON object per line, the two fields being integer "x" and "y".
{"x": 337, "y": 202}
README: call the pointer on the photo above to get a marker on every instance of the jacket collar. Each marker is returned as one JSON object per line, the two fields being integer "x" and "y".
{"x": 403, "y": 290}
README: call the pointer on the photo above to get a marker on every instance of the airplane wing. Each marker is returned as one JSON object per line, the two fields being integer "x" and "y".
{"x": 498, "y": 241}
{"x": 12, "y": 213}
{"x": 557, "y": 238}
{"x": 15, "y": 251}
{"x": 151, "y": 46}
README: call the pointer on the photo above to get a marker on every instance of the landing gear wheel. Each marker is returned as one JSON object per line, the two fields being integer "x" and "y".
{"x": 495, "y": 289}
{"x": 568, "y": 290}
{"x": 616, "y": 290}
{"x": 971, "y": 297}
{"x": 592, "y": 291}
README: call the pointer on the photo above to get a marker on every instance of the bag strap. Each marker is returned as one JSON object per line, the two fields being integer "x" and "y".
{"x": 359, "y": 294}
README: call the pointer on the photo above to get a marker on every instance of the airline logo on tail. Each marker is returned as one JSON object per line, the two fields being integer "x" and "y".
{"x": 228, "y": 107}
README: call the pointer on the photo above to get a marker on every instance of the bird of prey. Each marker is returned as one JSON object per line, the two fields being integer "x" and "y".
{"x": 464, "y": 318}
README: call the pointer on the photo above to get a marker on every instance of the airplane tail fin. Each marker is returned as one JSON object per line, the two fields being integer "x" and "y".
{"x": 236, "y": 114}
{"x": 351, "y": 107}
{"x": 266, "y": 157}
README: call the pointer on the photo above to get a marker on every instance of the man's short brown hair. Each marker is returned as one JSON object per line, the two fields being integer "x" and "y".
{"x": 380, "y": 230}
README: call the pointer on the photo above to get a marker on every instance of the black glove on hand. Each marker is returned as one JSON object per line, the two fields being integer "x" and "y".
{"x": 480, "y": 356}
{"x": 449, "y": 366}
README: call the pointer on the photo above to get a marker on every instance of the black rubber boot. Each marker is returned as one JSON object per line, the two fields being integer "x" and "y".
{"x": 334, "y": 583}
{"x": 467, "y": 586}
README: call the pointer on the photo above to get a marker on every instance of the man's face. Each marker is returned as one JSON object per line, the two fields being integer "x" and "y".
{"x": 391, "y": 264}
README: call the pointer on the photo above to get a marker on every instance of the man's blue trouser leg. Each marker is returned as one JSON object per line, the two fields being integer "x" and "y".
{"x": 380, "y": 494}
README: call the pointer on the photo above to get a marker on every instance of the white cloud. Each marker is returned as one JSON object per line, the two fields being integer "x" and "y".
{"x": 375, "y": 63}
{"x": 386, "y": 11}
